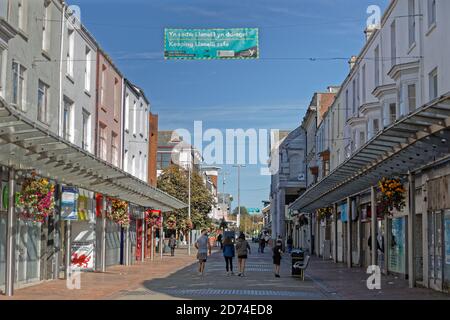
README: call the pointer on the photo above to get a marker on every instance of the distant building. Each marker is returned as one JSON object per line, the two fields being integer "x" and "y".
{"x": 152, "y": 149}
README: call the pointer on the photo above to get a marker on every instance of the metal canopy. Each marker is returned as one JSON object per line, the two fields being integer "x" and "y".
{"x": 25, "y": 145}
{"x": 407, "y": 144}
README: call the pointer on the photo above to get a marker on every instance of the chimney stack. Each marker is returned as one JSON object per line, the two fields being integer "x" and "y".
{"x": 370, "y": 30}
{"x": 352, "y": 61}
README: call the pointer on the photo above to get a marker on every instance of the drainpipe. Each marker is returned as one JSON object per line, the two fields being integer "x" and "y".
{"x": 68, "y": 250}
{"x": 60, "y": 109}
{"x": 103, "y": 234}
{"x": 10, "y": 236}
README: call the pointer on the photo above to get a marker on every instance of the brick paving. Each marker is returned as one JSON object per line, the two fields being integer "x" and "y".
{"x": 95, "y": 285}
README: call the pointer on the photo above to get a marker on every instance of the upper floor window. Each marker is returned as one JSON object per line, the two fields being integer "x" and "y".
{"x": 87, "y": 70}
{"x": 116, "y": 99}
{"x": 127, "y": 112}
{"x": 363, "y": 79}
{"x": 2, "y": 69}
{"x": 42, "y": 105}
{"x": 376, "y": 126}
{"x": 70, "y": 51}
{"x": 46, "y": 27}
{"x": 18, "y": 85}
{"x": 346, "y": 105}
{"x": 67, "y": 119}
{"x": 103, "y": 85}
{"x": 412, "y": 22}
{"x": 377, "y": 66}
{"x": 431, "y": 13}
{"x": 392, "y": 112}
{"x": 135, "y": 117}
{"x": 393, "y": 44}
{"x": 85, "y": 131}
{"x": 354, "y": 97}
{"x": 21, "y": 15}
{"x": 433, "y": 79}
{"x": 412, "y": 98}
{"x": 115, "y": 149}
{"x": 103, "y": 149}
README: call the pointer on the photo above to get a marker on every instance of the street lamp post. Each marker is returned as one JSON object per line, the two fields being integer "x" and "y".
{"x": 189, "y": 207}
{"x": 238, "y": 222}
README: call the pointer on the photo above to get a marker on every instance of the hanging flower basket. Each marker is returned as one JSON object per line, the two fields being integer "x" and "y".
{"x": 119, "y": 212}
{"x": 392, "y": 196}
{"x": 324, "y": 213}
{"x": 36, "y": 199}
{"x": 153, "y": 218}
{"x": 171, "y": 223}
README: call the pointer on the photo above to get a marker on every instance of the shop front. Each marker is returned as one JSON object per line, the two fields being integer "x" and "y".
{"x": 396, "y": 241}
{"x": 83, "y": 235}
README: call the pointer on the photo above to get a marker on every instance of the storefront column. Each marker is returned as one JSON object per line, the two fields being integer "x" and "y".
{"x": 127, "y": 247}
{"x": 152, "y": 254}
{"x": 374, "y": 225}
{"x": 143, "y": 241}
{"x": 349, "y": 232}
{"x": 161, "y": 236}
{"x": 411, "y": 235}
{"x": 10, "y": 236}
{"x": 68, "y": 247}
{"x": 103, "y": 234}
{"x": 317, "y": 236}
{"x": 335, "y": 245}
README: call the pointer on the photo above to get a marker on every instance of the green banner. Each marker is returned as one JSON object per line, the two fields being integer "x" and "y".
{"x": 198, "y": 44}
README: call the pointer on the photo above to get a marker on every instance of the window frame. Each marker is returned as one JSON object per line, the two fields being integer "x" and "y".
{"x": 68, "y": 109}
{"x": 42, "y": 110}
{"x": 85, "y": 130}
{"x": 433, "y": 81}
{"x": 70, "y": 52}
{"x": 19, "y": 85}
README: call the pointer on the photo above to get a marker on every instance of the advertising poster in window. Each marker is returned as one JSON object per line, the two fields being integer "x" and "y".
{"x": 397, "y": 246}
{"x": 447, "y": 238}
{"x": 69, "y": 210}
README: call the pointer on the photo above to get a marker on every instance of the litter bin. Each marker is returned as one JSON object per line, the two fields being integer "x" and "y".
{"x": 297, "y": 256}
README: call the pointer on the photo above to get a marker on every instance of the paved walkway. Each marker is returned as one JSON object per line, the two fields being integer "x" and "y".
{"x": 96, "y": 285}
{"x": 177, "y": 278}
{"x": 324, "y": 280}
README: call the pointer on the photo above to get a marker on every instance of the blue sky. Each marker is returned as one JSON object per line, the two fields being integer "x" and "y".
{"x": 270, "y": 93}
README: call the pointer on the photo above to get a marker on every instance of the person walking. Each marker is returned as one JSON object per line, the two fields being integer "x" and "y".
{"x": 242, "y": 250}
{"x": 290, "y": 242}
{"x": 219, "y": 241}
{"x": 172, "y": 244}
{"x": 277, "y": 251}
{"x": 203, "y": 246}
{"x": 228, "y": 254}
{"x": 262, "y": 244}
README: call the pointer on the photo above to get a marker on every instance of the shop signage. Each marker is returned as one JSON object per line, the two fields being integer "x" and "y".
{"x": 82, "y": 256}
{"x": 69, "y": 203}
{"x": 198, "y": 44}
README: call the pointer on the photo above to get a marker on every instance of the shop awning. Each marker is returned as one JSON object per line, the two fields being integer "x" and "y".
{"x": 403, "y": 147}
{"x": 26, "y": 145}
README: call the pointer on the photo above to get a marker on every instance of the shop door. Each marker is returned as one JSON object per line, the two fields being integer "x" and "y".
{"x": 435, "y": 249}
{"x": 28, "y": 245}
{"x": 339, "y": 241}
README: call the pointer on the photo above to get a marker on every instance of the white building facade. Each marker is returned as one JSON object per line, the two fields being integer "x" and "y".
{"x": 391, "y": 119}
{"x": 136, "y": 127}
